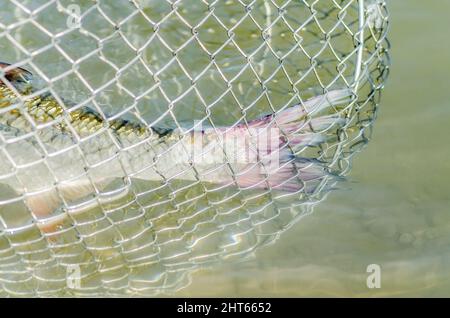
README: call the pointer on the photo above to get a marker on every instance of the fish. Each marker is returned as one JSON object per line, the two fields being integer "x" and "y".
{"x": 54, "y": 152}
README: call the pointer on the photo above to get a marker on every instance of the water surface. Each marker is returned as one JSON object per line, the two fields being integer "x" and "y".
{"x": 396, "y": 210}
{"x": 393, "y": 211}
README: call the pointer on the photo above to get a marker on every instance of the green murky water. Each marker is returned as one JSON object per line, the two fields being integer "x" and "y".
{"x": 396, "y": 213}
{"x": 393, "y": 212}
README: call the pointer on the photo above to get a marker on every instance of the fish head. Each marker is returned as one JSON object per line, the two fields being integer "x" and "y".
{"x": 16, "y": 76}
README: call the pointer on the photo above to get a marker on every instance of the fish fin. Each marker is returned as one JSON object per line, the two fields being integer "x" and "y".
{"x": 77, "y": 194}
{"x": 15, "y": 74}
{"x": 286, "y": 133}
{"x": 327, "y": 100}
{"x": 313, "y": 106}
{"x": 308, "y": 108}
{"x": 291, "y": 176}
{"x": 43, "y": 205}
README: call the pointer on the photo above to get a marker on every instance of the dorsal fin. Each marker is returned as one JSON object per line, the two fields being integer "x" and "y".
{"x": 15, "y": 75}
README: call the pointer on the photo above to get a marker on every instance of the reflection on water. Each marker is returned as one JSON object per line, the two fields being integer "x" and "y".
{"x": 170, "y": 68}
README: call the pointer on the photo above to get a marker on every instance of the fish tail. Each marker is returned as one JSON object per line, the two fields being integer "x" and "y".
{"x": 286, "y": 133}
{"x": 298, "y": 174}
{"x": 313, "y": 106}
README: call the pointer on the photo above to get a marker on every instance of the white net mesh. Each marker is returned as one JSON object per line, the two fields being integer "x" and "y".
{"x": 71, "y": 223}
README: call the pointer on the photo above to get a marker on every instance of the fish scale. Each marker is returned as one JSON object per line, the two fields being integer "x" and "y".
{"x": 91, "y": 130}
{"x": 84, "y": 121}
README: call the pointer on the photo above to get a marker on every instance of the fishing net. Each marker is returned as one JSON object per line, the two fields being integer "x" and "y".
{"x": 175, "y": 64}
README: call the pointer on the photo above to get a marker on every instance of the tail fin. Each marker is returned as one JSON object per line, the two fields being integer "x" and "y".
{"x": 308, "y": 108}
{"x": 299, "y": 174}
{"x": 300, "y": 126}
